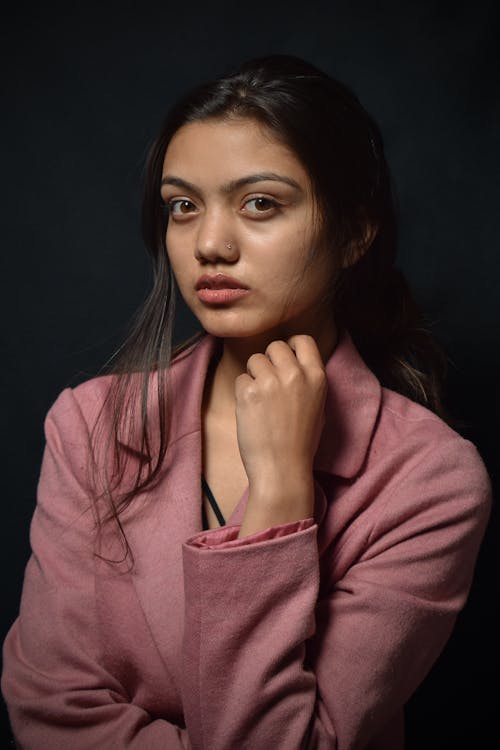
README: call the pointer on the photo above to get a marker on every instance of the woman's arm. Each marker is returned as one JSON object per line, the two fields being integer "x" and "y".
{"x": 280, "y": 405}
{"x": 276, "y": 656}
{"x": 58, "y": 692}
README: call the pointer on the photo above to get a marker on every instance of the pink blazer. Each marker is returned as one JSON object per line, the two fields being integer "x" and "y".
{"x": 311, "y": 634}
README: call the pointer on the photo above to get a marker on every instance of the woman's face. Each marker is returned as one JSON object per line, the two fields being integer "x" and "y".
{"x": 240, "y": 204}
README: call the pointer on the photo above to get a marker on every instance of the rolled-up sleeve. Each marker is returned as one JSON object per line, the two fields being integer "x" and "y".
{"x": 249, "y": 611}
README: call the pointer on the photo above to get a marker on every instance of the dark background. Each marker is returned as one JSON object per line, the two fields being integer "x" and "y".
{"x": 85, "y": 89}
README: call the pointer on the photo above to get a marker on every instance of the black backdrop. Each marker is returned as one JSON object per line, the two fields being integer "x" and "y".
{"x": 85, "y": 89}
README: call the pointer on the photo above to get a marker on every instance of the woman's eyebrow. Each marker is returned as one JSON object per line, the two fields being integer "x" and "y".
{"x": 234, "y": 184}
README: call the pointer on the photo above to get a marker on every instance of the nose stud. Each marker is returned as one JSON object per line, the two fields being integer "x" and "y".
{"x": 228, "y": 245}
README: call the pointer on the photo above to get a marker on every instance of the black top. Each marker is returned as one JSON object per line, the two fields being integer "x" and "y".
{"x": 213, "y": 503}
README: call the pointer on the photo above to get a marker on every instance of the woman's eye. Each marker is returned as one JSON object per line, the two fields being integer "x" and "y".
{"x": 180, "y": 207}
{"x": 260, "y": 205}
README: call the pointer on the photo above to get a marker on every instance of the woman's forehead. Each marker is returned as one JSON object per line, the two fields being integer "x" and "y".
{"x": 231, "y": 147}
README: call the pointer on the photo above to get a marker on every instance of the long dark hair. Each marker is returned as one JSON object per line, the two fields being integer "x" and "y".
{"x": 341, "y": 147}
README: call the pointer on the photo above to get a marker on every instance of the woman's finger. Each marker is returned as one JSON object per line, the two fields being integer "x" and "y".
{"x": 306, "y": 351}
{"x": 280, "y": 354}
{"x": 259, "y": 365}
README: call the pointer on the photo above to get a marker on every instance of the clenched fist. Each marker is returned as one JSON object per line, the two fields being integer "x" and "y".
{"x": 279, "y": 417}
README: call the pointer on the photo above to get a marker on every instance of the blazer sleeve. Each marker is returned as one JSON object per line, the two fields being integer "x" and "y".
{"x": 57, "y": 693}
{"x": 277, "y": 655}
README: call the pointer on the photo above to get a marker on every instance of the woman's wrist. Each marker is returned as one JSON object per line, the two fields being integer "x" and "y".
{"x": 278, "y": 502}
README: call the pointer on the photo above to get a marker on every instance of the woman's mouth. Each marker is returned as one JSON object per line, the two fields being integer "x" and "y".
{"x": 220, "y": 288}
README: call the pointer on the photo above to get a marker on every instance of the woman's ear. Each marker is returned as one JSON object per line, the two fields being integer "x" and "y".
{"x": 358, "y": 247}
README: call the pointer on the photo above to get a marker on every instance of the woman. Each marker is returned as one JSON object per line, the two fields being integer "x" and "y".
{"x": 262, "y": 539}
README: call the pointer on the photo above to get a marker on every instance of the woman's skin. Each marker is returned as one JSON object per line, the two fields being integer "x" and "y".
{"x": 270, "y": 379}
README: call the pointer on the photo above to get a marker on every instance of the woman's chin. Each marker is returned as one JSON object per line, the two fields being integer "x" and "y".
{"x": 234, "y": 329}
{"x": 230, "y": 332}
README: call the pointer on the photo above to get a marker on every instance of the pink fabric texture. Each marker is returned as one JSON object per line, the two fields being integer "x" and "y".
{"x": 309, "y": 635}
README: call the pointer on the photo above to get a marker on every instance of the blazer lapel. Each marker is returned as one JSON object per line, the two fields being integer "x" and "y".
{"x": 161, "y": 519}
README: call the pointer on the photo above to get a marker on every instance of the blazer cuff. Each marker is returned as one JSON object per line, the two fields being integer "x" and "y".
{"x": 227, "y": 536}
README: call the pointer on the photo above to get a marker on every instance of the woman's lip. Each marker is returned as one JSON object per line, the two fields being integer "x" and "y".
{"x": 221, "y": 296}
{"x": 219, "y": 281}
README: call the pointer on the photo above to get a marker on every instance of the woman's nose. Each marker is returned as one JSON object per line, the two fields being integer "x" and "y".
{"x": 215, "y": 240}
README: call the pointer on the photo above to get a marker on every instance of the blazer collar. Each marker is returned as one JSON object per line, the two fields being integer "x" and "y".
{"x": 351, "y": 410}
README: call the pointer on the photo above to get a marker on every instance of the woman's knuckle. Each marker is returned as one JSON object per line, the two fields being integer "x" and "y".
{"x": 294, "y": 376}
{"x": 276, "y": 344}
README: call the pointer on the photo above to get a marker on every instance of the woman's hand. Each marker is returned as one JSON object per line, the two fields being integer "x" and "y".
{"x": 279, "y": 417}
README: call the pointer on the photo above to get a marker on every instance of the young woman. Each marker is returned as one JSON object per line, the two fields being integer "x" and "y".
{"x": 261, "y": 539}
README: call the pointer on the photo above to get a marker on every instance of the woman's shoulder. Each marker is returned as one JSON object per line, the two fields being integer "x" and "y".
{"x": 87, "y": 400}
{"x": 400, "y": 416}
{"x": 81, "y": 403}
{"x": 415, "y": 434}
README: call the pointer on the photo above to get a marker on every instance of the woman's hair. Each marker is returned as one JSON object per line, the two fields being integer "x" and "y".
{"x": 341, "y": 148}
